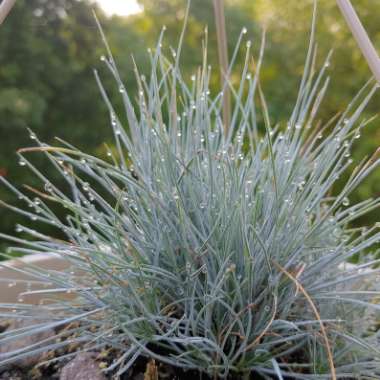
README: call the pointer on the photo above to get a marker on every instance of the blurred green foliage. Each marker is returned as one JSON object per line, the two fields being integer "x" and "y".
{"x": 48, "y": 50}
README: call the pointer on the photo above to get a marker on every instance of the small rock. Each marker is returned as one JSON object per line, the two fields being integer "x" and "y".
{"x": 17, "y": 344}
{"x": 83, "y": 367}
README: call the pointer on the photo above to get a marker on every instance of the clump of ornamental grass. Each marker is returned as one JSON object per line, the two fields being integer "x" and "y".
{"x": 204, "y": 247}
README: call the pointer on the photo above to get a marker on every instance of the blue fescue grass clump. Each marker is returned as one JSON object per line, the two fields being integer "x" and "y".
{"x": 221, "y": 252}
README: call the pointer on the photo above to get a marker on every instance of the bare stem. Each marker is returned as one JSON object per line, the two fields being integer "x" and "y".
{"x": 361, "y": 37}
{"x": 5, "y": 8}
{"x": 223, "y": 59}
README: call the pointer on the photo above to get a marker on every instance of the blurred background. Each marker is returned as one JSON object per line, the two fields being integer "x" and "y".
{"x": 49, "y": 48}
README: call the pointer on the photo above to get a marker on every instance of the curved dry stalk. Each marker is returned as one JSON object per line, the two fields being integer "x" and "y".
{"x": 317, "y": 315}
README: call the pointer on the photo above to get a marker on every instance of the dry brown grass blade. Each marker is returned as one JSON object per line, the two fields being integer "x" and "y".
{"x": 151, "y": 371}
{"x": 319, "y": 129}
{"x": 257, "y": 340}
{"x": 39, "y": 193}
{"x": 316, "y": 313}
{"x": 45, "y": 149}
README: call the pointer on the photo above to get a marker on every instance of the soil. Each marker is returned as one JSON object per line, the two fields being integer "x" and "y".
{"x": 36, "y": 369}
{"x": 143, "y": 369}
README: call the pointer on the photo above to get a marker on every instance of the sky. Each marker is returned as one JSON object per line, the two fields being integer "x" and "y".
{"x": 120, "y": 7}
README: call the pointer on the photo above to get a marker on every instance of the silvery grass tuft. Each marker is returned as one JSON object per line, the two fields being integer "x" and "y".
{"x": 224, "y": 253}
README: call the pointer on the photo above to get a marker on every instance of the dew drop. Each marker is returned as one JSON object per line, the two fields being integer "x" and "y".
{"x": 345, "y": 201}
{"x": 22, "y": 162}
{"x": 244, "y": 30}
{"x": 336, "y": 232}
{"x": 103, "y": 58}
{"x": 248, "y": 44}
{"x": 86, "y": 186}
{"x": 32, "y": 136}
